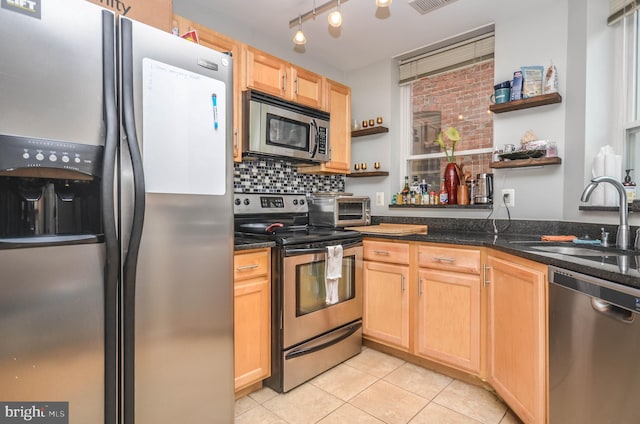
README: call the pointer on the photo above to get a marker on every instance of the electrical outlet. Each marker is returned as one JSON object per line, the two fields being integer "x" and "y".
{"x": 380, "y": 198}
{"x": 508, "y": 197}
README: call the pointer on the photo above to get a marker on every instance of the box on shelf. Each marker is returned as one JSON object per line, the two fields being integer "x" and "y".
{"x": 516, "y": 86}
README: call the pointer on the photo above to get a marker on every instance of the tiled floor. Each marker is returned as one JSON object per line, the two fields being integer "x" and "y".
{"x": 374, "y": 387}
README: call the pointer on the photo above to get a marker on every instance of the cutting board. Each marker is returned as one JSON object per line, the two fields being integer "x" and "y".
{"x": 391, "y": 229}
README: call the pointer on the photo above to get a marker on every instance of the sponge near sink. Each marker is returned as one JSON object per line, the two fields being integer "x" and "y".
{"x": 587, "y": 241}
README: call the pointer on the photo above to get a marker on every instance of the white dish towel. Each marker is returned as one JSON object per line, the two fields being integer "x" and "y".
{"x": 332, "y": 274}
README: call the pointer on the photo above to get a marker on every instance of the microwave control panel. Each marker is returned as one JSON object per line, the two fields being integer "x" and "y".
{"x": 322, "y": 141}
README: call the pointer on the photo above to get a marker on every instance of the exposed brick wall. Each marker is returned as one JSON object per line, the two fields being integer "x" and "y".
{"x": 463, "y": 92}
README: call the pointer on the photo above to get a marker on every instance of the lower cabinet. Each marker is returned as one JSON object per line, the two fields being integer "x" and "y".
{"x": 425, "y": 300}
{"x": 517, "y": 290}
{"x": 252, "y": 317}
{"x": 385, "y": 315}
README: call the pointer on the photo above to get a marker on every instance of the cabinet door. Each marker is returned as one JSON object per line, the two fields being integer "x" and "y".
{"x": 517, "y": 334}
{"x": 266, "y": 73}
{"x": 386, "y": 304}
{"x": 252, "y": 329}
{"x": 307, "y": 88}
{"x": 448, "y": 328}
{"x": 222, "y": 43}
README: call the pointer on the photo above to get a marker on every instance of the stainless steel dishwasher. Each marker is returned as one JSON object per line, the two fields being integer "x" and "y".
{"x": 594, "y": 350}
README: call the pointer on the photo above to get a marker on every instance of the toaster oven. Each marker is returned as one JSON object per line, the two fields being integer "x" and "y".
{"x": 332, "y": 209}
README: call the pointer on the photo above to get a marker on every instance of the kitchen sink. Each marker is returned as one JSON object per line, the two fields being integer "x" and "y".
{"x": 579, "y": 251}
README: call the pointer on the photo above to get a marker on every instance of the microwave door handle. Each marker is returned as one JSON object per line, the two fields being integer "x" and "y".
{"x": 316, "y": 134}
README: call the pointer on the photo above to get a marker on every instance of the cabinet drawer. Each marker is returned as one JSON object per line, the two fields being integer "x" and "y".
{"x": 450, "y": 259}
{"x": 381, "y": 251}
{"x": 250, "y": 265}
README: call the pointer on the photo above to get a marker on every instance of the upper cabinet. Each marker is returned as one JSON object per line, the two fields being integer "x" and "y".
{"x": 255, "y": 69}
{"x": 222, "y": 43}
{"x": 338, "y": 100}
{"x": 272, "y": 75}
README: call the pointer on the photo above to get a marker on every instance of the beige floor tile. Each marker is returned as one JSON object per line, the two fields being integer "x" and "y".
{"x": 511, "y": 418}
{"x": 375, "y": 363}
{"x": 348, "y": 414}
{"x": 418, "y": 380}
{"x": 389, "y": 403}
{"x": 263, "y": 395}
{"x": 344, "y": 381}
{"x": 472, "y": 401}
{"x": 259, "y": 415}
{"x": 436, "y": 414}
{"x": 244, "y": 404}
{"x": 303, "y": 405}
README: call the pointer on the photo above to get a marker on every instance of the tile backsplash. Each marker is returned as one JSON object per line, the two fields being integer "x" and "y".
{"x": 274, "y": 176}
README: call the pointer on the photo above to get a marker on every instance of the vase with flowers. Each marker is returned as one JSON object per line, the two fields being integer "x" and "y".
{"x": 451, "y": 180}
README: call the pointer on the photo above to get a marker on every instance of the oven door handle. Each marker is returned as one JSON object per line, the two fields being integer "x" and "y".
{"x": 313, "y": 250}
{"x": 308, "y": 350}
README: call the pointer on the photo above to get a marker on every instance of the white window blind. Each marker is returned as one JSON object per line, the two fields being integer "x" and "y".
{"x": 453, "y": 56}
{"x": 618, "y": 9}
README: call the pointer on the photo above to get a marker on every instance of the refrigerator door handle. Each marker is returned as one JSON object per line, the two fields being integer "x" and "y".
{"x": 112, "y": 257}
{"x": 131, "y": 259}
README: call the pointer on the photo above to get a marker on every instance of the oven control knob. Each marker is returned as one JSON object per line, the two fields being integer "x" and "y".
{"x": 295, "y": 202}
{"x": 237, "y": 202}
{"x": 301, "y": 202}
{"x": 247, "y": 202}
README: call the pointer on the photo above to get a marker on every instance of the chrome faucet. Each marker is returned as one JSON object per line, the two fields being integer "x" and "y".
{"x": 622, "y": 236}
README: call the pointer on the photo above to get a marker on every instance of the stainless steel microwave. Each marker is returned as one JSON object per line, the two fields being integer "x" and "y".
{"x": 275, "y": 127}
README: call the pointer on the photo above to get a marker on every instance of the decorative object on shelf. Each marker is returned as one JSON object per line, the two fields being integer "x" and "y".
{"x": 365, "y": 123}
{"x": 356, "y": 166}
{"x": 355, "y": 126}
{"x": 376, "y": 165}
{"x": 372, "y": 122}
{"x": 363, "y": 166}
{"x": 523, "y": 154}
{"x": 451, "y": 180}
{"x": 379, "y": 120}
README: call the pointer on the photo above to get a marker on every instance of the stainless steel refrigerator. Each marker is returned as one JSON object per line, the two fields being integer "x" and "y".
{"x": 116, "y": 220}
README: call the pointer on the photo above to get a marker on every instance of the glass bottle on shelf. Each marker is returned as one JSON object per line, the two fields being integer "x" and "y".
{"x": 443, "y": 194}
{"x": 405, "y": 191}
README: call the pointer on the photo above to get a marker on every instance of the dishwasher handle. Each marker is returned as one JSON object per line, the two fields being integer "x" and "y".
{"x": 612, "y": 311}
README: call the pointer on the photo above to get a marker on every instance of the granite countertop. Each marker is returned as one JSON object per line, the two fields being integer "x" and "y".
{"x": 242, "y": 243}
{"x": 610, "y": 268}
{"x": 513, "y": 237}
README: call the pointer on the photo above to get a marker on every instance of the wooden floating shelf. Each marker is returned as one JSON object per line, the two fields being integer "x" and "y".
{"x": 541, "y": 100}
{"x": 369, "y": 131}
{"x": 369, "y": 174}
{"x": 522, "y": 163}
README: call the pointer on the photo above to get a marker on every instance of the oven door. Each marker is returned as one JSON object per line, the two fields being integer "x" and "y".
{"x": 306, "y": 313}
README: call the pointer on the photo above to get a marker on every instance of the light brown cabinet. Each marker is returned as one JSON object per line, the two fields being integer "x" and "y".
{"x": 386, "y": 293}
{"x": 222, "y": 43}
{"x": 448, "y": 324}
{"x": 252, "y": 317}
{"x": 517, "y": 290}
{"x": 275, "y": 76}
{"x": 339, "y": 105}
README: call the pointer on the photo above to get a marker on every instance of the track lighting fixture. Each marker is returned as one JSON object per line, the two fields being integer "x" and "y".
{"x": 299, "y": 39}
{"x": 335, "y": 17}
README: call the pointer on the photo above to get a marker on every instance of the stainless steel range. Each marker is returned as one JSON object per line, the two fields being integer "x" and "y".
{"x": 316, "y": 287}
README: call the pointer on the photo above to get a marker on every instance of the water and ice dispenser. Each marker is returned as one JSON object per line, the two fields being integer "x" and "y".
{"x": 48, "y": 188}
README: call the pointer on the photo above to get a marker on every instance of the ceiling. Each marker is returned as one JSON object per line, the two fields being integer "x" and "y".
{"x": 368, "y": 34}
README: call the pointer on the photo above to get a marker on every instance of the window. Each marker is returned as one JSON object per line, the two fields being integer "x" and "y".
{"x": 448, "y": 85}
{"x": 624, "y": 16}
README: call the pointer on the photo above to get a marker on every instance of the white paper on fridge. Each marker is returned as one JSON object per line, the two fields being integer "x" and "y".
{"x": 184, "y": 143}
